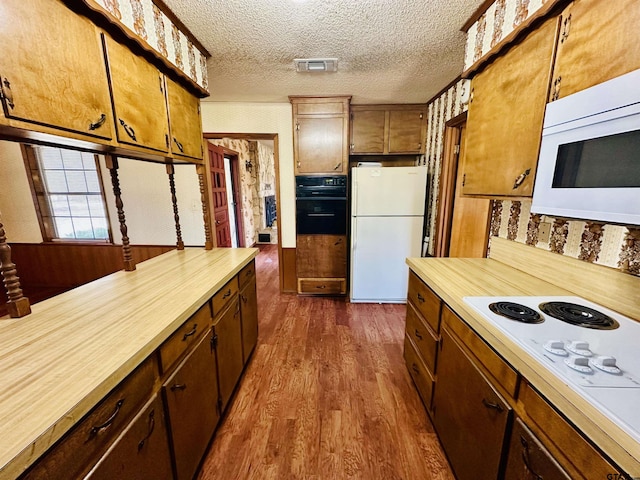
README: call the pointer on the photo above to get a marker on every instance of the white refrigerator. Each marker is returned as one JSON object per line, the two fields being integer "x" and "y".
{"x": 387, "y": 216}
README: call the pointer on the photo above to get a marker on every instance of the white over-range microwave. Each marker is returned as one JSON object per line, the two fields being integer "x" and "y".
{"x": 589, "y": 164}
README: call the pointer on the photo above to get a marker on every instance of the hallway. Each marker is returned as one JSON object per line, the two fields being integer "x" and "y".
{"x": 326, "y": 395}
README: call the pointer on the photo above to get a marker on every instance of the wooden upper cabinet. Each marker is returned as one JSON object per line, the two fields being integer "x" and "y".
{"x": 185, "y": 138}
{"x": 52, "y": 71}
{"x": 504, "y": 123}
{"x": 598, "y": 41}
{"x": 321, "y": 135}
{"x": 138, "y": 99}
{"x": 367, "y": 131}
{"x": 388, "y": 129}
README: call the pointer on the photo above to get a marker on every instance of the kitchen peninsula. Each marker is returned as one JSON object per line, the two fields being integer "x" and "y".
{"x": 118, "y": 344}
{"x": 574, "y": 432}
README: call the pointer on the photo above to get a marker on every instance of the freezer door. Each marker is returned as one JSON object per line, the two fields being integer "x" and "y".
{"x": 392, "y": 191}
{"x": 379, "y": 247}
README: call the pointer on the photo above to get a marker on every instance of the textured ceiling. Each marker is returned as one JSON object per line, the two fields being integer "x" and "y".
{"x": 389, "y": 51}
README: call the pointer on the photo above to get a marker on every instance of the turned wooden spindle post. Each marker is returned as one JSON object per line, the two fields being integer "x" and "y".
{"x": 112, "y": 165}
{"x": 208, "y": 242}
{"x": 18, "y": 305}
{"x": 174, "y": 201}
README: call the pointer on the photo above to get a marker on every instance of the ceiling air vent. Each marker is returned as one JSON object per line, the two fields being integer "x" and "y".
{"x": 316, "y": 64}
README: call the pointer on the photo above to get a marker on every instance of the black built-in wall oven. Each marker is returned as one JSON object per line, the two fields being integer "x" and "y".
{"x": 321, "y": 204}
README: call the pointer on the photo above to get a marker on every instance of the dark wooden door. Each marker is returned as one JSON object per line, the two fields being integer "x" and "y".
{"x": 219, "y": 191}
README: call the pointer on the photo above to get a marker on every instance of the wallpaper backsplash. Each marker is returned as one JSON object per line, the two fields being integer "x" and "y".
{"x": 594, "y": 242}
{"x": 144, "y": 19}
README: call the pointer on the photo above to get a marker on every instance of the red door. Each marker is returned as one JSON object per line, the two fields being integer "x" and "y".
{"x": 219, "y": 190}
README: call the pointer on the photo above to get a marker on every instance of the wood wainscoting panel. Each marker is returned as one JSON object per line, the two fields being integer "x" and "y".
{"x": 288, "y": 279}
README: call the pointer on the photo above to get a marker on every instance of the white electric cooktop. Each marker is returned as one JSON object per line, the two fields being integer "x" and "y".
{"x": 598, "y": 355}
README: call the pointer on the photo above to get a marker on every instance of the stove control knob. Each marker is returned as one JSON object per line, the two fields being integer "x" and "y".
{"x": 579, "y": 364}
{"x": 606, "y": 364}
{"x": 579, "y": 347}
{"x": 556, "y": 347}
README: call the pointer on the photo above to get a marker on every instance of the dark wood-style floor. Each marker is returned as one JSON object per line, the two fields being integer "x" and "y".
{"x": 326, "y": 395}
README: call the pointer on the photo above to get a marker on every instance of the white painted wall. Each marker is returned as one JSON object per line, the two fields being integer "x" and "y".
{"x": 262, "y": 118}
{"x": 16, "y": 203}
{"x": 147, "y": 203}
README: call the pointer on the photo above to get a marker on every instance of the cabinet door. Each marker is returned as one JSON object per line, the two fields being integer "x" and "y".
{"x": 407, "y": 130}
{"x": 137, "y": 83}
{"x": 529, "y": 459}
{"x": 504, "y": 123}
{"x": 367, "y": 131}
{"x": 191, "y": 398}
{"x": 228, "y": 340}
{"x": 249, "y": 315}
{"x": 321, "y": 256}
{"x": 596, "y": 44}
{"x": 471, "y": 418}
{"x": 184, "y": 119}
{"x": 52, "y": 71}
{"x": 141, "y": 452}
{"x": 320, "y": 144}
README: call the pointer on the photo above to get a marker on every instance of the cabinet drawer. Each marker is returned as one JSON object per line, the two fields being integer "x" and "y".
{"x": 425, "y": 301}
{"x": 141, "y": 452}
{"x": 419, "y": 372}
{"x": 322, "y": 286}
{"x": 506, "y": 376}
{"x": 72, "y": 456}
{"x": 578, "y": 451}
{"x": 247, "y": 273}
{"x": 185, "y": 336}
{"x": 224, "y": 295}
{"x": 527, "y": 454}
{"x": 423, "y": 337}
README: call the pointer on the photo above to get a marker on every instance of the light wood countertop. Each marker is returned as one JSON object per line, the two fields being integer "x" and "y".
{"x": 454, "y": 278}
{"x": 58, "y": 362}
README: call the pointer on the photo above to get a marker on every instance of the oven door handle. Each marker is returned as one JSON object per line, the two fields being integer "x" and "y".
{"x": 321, "y": 214}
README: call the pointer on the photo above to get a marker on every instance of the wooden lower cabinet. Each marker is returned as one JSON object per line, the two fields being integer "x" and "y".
{"x": 249, "y": 315}
{"x": 419, "y": 372}
{"x": 528, "y": 458}
{"x": 470, "y": 416}
{"x": 321, "y": 264}
{"x": 142, "y": 450}
{"x": 227, "y": 341}
{"x": 191, "y": 398}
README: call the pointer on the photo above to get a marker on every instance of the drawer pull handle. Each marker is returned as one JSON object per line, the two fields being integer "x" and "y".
{"x": 152, "y": 425}
{"x": 179, "y": 145}
{"x": 244, "y": 299}
{"x": 420, "y": 298}
{"x": 130, "y": 131}
{"x": 226, "y": 295}
{"x": 8, "y": 94}
{"x": 321, "y": 286}
{"x": 493, "y": 405}
{"x": 417, "y": 334}
{"x": 178, "y": 386}
{"x": 520, "y": 178}
{"x": 415, "y": 368}
{"x": 96, "y": 429}
{"x": 99, "y": 123}
{"x": 525, "y": 459}
{"x": 192, "y": 332}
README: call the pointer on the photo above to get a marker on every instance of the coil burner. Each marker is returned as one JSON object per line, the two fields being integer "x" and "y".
{"x": 517, "y": 312}
{"x": 579, "y": 315}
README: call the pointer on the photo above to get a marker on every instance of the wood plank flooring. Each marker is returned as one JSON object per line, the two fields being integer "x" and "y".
{"x": 325, "y": 396}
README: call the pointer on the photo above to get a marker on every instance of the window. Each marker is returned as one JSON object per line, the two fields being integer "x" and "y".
{"x": 68, "y": 188}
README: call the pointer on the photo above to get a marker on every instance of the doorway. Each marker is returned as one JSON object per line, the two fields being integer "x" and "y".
{"x": 261, "y": 200}
{"x": 462, "y": 226}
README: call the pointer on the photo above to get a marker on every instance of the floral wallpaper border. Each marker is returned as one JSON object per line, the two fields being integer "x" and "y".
{"x": 145, "y": 19}
{"x": 498, "y": 21}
